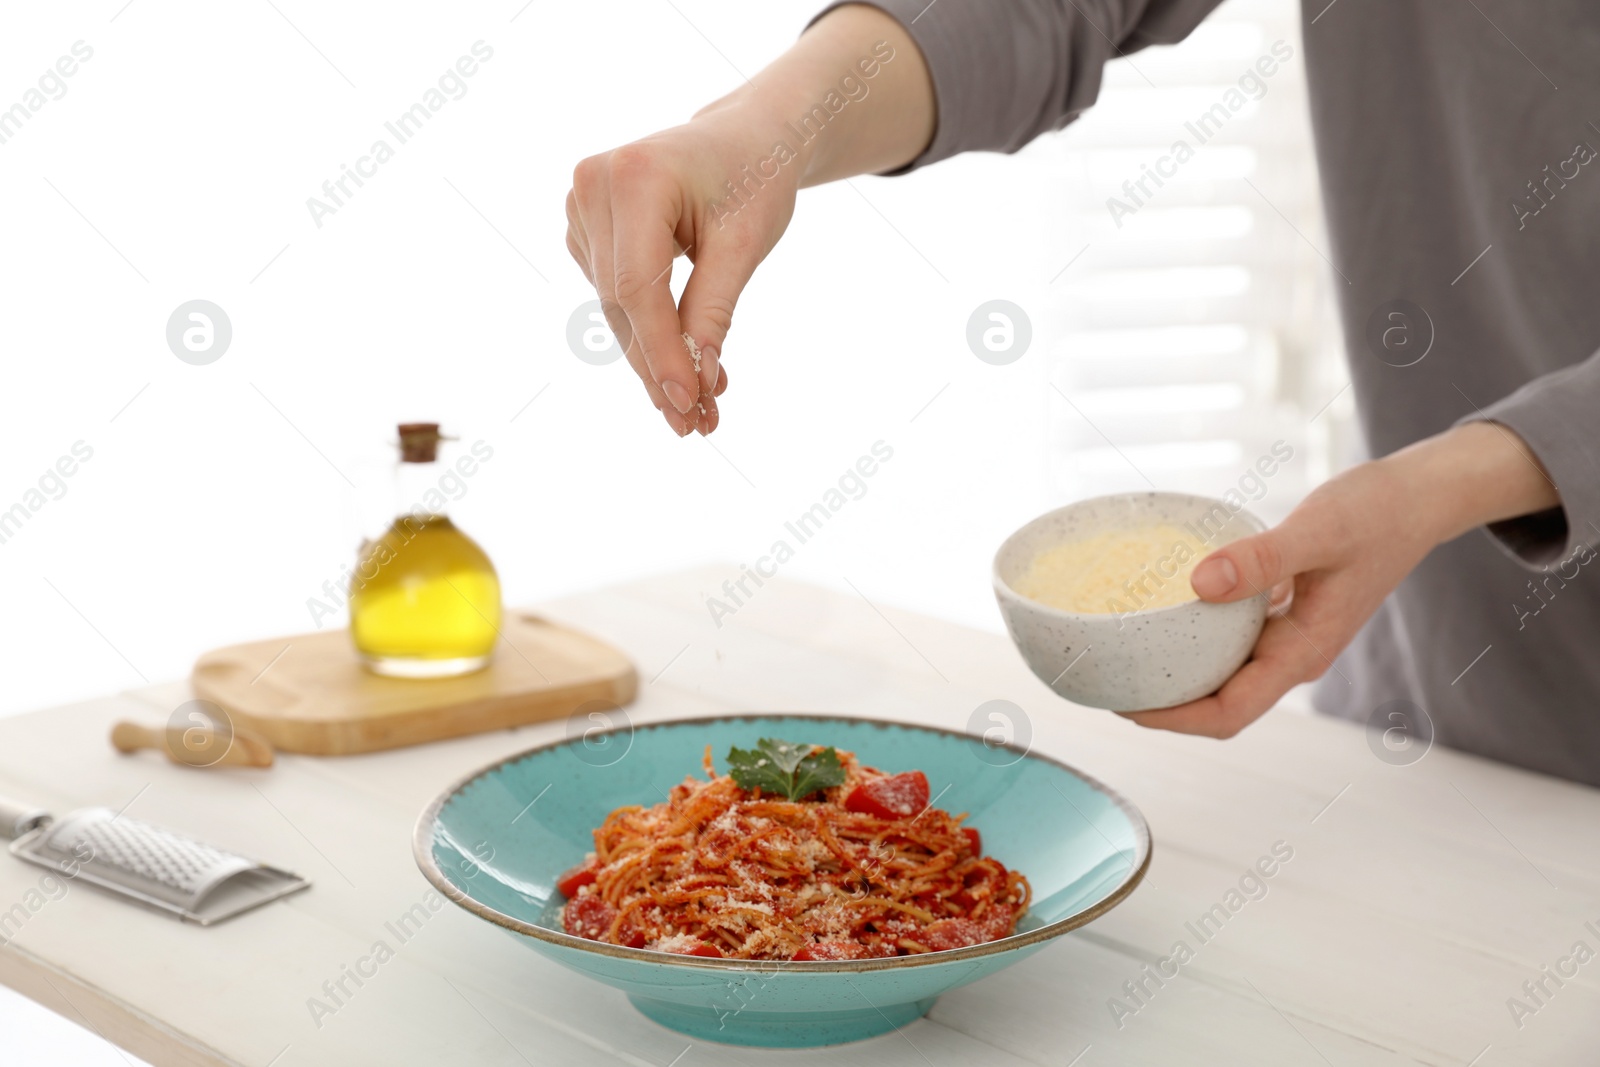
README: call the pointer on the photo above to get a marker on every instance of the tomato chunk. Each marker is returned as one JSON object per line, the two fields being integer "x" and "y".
{"x": 833, "y": 950}
{"x": 896, "y": 796}
{"x": 942, "y": 935}
{"x": 588, "y": 916}
{"x": 974, "y": 839}
{"x": 998, "y": 921}
{"x": 696, "y": 947}
{"x": 575, "y": 879}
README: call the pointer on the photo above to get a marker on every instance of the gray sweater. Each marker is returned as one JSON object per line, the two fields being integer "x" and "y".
{"x": 1441, "y": 129}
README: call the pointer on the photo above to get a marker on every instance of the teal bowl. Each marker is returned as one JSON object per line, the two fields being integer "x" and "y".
{"x": 496, "y": 841}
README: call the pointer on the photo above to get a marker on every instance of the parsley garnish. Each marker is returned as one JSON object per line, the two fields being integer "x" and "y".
{"x": 784, "y": 769}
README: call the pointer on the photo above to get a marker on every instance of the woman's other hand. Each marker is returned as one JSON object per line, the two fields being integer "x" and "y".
{"x": 1344, "y": 549}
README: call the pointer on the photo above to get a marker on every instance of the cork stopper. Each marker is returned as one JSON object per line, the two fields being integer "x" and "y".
{"x": 419, "y": 442}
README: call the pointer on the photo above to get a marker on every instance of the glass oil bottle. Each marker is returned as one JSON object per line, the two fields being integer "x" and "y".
{"x": 424, "y": 598}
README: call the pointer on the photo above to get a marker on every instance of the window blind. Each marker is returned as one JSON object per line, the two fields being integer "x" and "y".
{"x": 1196, "y": 328}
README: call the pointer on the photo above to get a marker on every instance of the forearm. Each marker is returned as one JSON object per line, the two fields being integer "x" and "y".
{"x": 1468, "y": 476}
{"x": 861, "y": 62}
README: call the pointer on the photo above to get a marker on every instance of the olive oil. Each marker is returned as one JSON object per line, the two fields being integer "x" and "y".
{"x": 424, "y": 598}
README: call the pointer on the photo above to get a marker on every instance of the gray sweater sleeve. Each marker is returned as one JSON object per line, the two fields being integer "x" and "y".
{"x": 1558, "y": 415}
{"x": 1005, "y": 71}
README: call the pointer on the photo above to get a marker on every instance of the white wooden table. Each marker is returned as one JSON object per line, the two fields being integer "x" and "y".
{"x": 1418, "y": 901}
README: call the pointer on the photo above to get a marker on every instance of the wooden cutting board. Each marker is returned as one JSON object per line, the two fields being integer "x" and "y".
{"x": 309, "y": 694}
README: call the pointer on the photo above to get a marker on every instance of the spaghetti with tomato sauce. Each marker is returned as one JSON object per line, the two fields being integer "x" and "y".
{"x": 861, "y": 870}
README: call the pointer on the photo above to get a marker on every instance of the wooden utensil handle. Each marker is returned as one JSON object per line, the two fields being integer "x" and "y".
{"x": 194, "y": 746}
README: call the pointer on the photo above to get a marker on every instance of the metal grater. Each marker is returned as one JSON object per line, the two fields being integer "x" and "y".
{"x": 154, "y": 866}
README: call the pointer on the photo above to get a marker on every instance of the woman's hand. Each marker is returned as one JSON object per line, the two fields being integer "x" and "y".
{"x": 632, "y": 210}
{"x": 721, "y": 190}
{"x": 1344, "y": 549}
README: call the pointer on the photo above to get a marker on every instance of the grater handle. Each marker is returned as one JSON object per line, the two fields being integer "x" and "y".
{"x": 17, "y": 818}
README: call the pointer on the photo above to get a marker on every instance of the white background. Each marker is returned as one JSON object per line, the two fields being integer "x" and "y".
{"x": 218, "y": 499}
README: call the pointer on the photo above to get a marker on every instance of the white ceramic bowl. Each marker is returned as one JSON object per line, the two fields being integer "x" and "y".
{"x": 1155, "y": 658}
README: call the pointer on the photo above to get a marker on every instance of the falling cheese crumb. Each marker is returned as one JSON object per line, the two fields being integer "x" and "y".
{"x": 694, "y": 353}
